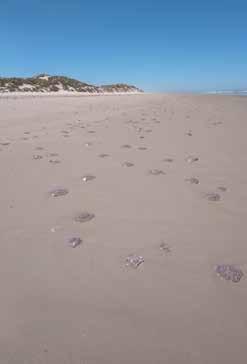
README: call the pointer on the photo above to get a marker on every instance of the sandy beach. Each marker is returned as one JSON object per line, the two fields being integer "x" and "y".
{"x": 161, "y": 177}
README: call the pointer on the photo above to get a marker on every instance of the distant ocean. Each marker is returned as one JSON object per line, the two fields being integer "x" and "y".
{"x": 230, "y": 92}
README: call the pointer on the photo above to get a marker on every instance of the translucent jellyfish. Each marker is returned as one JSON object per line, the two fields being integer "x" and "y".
{"x": 84, "y": 217}
{"x": 128, "y": 164}
{"x": 165, "y": 248}
{"x": 57, "y": 192}
{"x": 88, "y": 178}
{"x": 192, "y": 180}
{"x": 229, "y": 272}
{"x": 37, "y": 156}
{"x": 156, "y": 172}
{"x": 134, "y": 261}
{"x": 213, "y": 197}
{"x": 192, "y": 159}
{"x": 74, "y": 241}
{"x": 103, "y": 155}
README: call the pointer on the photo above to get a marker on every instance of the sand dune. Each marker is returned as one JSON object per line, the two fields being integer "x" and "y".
{"x": 123, "y": 236}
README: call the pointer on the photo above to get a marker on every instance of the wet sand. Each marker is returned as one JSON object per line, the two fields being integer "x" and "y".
{"x": 105, "y": 264}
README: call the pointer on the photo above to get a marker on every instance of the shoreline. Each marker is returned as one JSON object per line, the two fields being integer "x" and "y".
{"x": 54, "y": 95}
{"x": 64, "y": 94}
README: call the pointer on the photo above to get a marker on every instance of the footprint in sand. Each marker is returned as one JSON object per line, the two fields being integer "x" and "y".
{"x": 229, "y": 272}
{"x": 83, "y": 217}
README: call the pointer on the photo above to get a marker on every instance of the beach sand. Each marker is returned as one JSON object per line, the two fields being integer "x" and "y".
{"x": 162, "y": 177}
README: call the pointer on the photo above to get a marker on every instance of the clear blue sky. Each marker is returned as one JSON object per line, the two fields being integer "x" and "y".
{"x": 156, "y": 44}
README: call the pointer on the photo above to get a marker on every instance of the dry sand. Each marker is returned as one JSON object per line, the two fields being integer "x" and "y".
{"x": 61, "y": 305}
